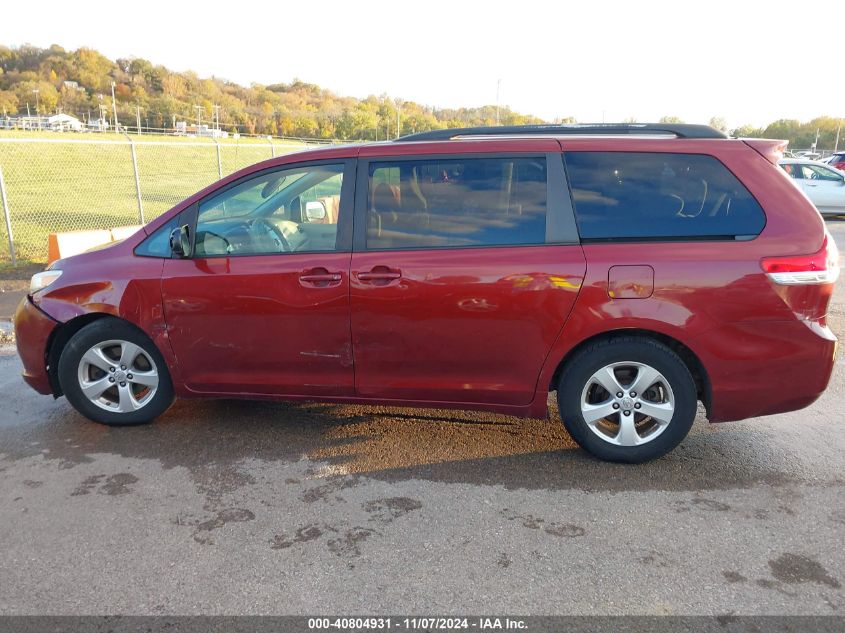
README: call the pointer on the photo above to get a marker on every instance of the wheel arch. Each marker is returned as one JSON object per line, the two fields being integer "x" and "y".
{"x": 62, "y": 335}
{"x": 689, "y": 358}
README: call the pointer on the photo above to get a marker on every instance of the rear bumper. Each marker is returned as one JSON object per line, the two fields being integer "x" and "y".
{"x": 32, "y": 333}
{"x": 762, "y": 368}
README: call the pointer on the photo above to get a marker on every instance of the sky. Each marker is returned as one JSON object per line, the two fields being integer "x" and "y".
{"x": 747, "y": 61}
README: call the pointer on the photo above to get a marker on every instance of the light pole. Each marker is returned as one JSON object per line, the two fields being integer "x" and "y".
{"x": 498, "y": 85}
{"x": 199, "y": 117}
{"x": 37, "y": 109}
{"x": 102, "y": 113}
{"x": 114, "y": 109}
{"x": 398, "y": 114}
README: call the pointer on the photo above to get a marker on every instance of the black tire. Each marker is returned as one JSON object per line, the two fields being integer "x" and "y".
{"x": 100, "y": 331}
{"x": 578, "y": 372}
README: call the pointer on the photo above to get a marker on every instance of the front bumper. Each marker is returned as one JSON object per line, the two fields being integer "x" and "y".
{"x": 33, "y": 329}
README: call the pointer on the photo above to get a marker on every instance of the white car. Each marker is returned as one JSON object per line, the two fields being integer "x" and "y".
{"x": 823, "y": 184}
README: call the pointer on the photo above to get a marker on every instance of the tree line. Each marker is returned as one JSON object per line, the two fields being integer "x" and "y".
{"x": 80, "y": 83}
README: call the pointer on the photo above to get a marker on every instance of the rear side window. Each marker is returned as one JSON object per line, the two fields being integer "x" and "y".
{"x": 641, "y": 196}
{"x": 456, "y": 202}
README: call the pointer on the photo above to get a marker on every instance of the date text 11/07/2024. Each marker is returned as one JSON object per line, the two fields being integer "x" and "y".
{"x": 416, "y": 623}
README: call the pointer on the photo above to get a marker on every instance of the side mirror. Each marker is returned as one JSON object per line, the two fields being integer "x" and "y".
{"x": 315, "y": 211}
{"x": 180, "y": 241}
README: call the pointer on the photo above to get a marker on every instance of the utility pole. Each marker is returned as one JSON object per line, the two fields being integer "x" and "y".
{"x": 138, "y": 117}
{"x": 838, "y": 130}
{"x": 398, "y": 114}
{"x": 199, "y": 117}
{"x": 498, "y": 85}
{"x": 114, "y": 109}
{"x": 216, "y": 119}
{"x": 37, "y": 109}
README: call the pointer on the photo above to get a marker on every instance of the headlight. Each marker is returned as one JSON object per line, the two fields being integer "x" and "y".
{"x": 42, "y": 280}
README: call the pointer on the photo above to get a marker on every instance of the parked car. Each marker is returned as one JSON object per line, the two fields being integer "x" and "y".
{"x": 635, "y": 270}
{"x": 836, "y": 160}
{"x": 823, "y": 184}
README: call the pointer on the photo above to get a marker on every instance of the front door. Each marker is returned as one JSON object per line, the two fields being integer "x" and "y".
{"x": 464, "y": 272}
{"x": 823, "y": 186}
{"x": 262, "y": 305}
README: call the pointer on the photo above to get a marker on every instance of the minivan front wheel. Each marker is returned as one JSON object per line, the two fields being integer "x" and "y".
{"x": 627, "y": 399}
{"x": 112, "y": 373}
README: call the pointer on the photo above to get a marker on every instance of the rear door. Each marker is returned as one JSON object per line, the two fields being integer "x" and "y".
{"x": 262, "y": 306}
{"x": 465, "y": 268}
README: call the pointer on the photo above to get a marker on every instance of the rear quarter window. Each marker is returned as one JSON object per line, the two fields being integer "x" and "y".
{"x": 643, "y": 196}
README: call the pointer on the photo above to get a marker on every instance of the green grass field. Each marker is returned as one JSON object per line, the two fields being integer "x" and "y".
{"x": 65, "y": 182}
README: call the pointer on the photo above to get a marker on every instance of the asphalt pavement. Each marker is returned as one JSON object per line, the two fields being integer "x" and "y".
{"x": 231, "y": 507}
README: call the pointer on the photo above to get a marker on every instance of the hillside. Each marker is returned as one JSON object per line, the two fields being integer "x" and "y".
{"x": 79, "y": 83}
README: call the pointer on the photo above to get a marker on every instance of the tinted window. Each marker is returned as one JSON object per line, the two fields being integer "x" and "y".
{"x": 629, "y": 195}
{"x": 454, "y": 203}
{"x": 286, "y": 210}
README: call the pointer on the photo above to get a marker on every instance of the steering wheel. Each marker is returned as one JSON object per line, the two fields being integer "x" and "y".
{"x": 273, "y": 232}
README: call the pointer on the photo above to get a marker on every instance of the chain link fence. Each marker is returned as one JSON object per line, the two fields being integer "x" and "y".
{"x": 50, "y": 186}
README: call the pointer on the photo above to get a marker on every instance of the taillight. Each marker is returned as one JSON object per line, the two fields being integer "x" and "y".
{"x": 797, "y": 270}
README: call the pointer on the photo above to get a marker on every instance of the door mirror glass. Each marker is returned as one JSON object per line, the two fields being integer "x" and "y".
{"x": 180, "y": 241}
{"x": 315, "y": 211}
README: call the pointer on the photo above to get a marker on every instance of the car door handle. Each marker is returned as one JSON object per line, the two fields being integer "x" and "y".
{"x": 380, "y": 273}
{"x": 326, "y": 277}
{"x": 320, "y": 277}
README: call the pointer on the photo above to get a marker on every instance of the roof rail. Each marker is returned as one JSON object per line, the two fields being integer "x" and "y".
{"x": 679, "y": 130}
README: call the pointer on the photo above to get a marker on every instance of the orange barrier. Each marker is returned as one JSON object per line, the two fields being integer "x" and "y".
{"x": 61, "y": 245}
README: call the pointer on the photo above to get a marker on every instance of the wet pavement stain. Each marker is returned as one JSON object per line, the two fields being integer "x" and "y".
{"x": 734, "y": 577}
{"x": 566, "y": 530}
{"x": 227, "y": 515}
{"x": 386, "y": 510}
{"x": 302, "y": 535}
{"x": 216, "y": 480}
{"x": 29, "y": 483}
{"x": 710, "y": 504}
{"x": 326, "y": 492}
{"x": 535, "y": 523}
{"x": 504, "y": 561}
{"x": 653, "y": 558}
{"x": 118, "y": 484}
{"x": 87, "y": 485}
{"x": 348, "y": 547}
{"x": 796, "y": 568}
{"x": 527, "y": 520}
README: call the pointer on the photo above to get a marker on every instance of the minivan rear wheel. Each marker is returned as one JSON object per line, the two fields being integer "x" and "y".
{"x": 627, "y": 399}
{"x": 112, "y": 373}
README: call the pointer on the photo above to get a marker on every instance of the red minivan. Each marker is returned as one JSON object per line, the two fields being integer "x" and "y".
{"x": 636, "y": 270}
